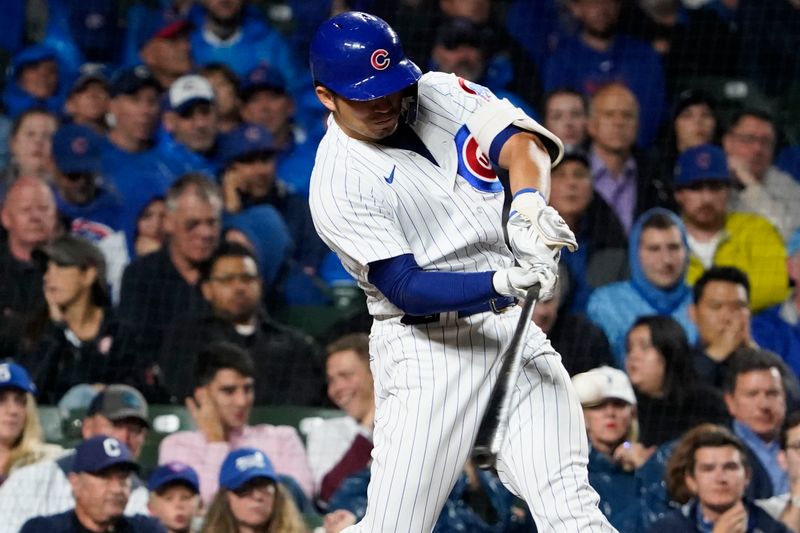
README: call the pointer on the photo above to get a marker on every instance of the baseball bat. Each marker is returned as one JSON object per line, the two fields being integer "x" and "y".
{"x": 494, "y": 424}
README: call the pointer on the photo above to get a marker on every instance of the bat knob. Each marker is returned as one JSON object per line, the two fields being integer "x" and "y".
{"x": 483, "y": 457}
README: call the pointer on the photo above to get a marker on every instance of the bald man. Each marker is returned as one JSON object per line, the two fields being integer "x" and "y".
{"x": 29, "y": 217}
{"x": 619, "y": 176}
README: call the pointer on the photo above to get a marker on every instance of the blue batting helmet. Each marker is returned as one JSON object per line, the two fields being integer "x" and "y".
{"x": 359, "y": 57}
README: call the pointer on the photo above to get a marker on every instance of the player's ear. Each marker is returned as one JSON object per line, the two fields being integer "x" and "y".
{"x": 326, "y": 97}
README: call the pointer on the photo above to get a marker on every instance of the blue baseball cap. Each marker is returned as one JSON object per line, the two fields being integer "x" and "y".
{"x": 77, "y": 148}
{"x": 174, "y": 472}
{"x": 701, "y": 163}
{"x": 243, "y": 465}
{"x": 14, "y": 376}
{"x": 129, "y": 81}
{"x": 245, "y": 140}
{"x": 794, "y": 243}
{"x": 101, "y": 452}
{"x": 89, "y": 73}
{"x": 262, "y": 78}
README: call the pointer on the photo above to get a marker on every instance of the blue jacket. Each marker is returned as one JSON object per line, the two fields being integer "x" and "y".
{"x": 615, "y": 307}
{"x": 16, "y": 100}
{"x": 631, "y": 500}
{"x": 772, "y": 332}
{"x": 629, "y": 60}
{"x": 181, "y": 160}
{"x": 105, "y": 209}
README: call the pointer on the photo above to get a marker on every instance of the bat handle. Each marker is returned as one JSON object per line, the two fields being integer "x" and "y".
{"x": 492, "y": 430}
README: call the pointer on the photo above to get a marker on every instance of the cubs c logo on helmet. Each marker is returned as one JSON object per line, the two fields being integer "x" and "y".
{"x": 473, "y": 165}
{"x": 380, "y": 59}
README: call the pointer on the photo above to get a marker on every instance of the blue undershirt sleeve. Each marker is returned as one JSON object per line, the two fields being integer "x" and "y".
{"x": 499, "y": 141}
{"x": 420, "y": 292}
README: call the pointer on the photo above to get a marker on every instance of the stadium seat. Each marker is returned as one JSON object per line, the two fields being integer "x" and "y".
{"x": 50, "y": 420}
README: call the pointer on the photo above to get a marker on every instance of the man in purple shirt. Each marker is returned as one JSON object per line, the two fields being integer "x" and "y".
{"x": 619, "y": 177}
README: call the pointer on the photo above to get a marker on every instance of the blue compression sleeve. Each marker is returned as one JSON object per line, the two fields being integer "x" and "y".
{"x": 420, "y": 292}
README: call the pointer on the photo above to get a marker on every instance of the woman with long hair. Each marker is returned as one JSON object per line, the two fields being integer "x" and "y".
{"x": 670, "y": 400}
{"x": 20, "y": 433}
{"x": 250, "y": 498}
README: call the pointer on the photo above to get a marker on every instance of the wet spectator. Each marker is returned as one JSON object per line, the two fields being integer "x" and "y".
{"x": 44, "y": 489}
{"x": 164, "y": 284}
{"x": 600, "y": 54}
{"x": 101, "y": 485}
{"x": 190, "y": 134}
{"x": 226, "y": 88}
{"x": 287, "y": 362}
{"x": 150, "y": 235}
{"x": 763, "y": 188}
{"x": 76, "y": 338}
{"x": 602, "y": 254}
{"x": 174, "y": 496}
{"x": 709, "y": 472}
{"x": 21, "y": 441}
{"x": 582, "y": 345}
{"x": 220, "y": 406}
{"x": 339, "y": 447}
{"x": 250, "y": 497}
{"x": 619, "y": 175}
{"x": 778, "y": 328}
{"x": 625, "y": 473}
{"x": 167, "y": 52}
{"x": 85, "y": 201}
{"x": 784, "y": 507}
{"x": 756, "y": 399}
{"x": 670, "y": 399}
{"x": 88, "y": 99}
{"x": 29, "y": 216}
{"x": 35, "y": 80}
{"x": 720, "y": 237}
{"x": 267, "y": 102}
{"x": 30, "y": 146}
{"x": 566, "y": 113}
{"x": 658, "y": 257}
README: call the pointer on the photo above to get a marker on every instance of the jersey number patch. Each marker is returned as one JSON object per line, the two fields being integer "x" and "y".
{"x": 473, "y": 165}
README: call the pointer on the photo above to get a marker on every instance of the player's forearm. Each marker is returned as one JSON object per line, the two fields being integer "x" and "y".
{"x": 527, "y": 162}
{"x": 419, "y": 292}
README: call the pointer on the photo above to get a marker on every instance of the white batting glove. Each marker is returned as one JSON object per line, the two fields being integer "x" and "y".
{"x": 548, "y": 228}
{"x": 515, "y": 281}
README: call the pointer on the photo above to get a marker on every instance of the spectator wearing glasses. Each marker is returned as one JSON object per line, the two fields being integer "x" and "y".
{"x": 762, "y": 188}
{"x": 718, "y": 236}
{"x": 288, "y": 369}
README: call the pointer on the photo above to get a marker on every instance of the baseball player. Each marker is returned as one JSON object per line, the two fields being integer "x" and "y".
{"x": 404, "y": 191}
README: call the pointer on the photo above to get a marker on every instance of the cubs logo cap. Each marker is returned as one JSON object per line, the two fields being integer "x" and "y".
{"x": 701, "y": 163}
{"x": 102, "y": 452}
{"x": 14, "y": 376}
{"x": 243, "y": 465}
{"x": 603, "y": 383}
{"x": 173, "y": 473}
{"x": 77, "y": 148}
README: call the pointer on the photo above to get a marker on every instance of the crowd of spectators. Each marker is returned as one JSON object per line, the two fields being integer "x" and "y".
{"x": 155, "y": 240}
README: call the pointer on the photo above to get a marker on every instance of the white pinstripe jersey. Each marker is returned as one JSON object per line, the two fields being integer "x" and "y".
{"x": 371, "y": 202}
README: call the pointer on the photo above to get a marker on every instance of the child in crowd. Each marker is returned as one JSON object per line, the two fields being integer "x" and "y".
{"x": 174, "y": 496}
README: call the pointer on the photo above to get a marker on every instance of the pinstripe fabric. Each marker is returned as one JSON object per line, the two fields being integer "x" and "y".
{"x": 432, "y": 382}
